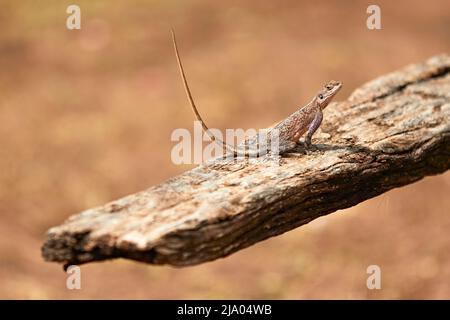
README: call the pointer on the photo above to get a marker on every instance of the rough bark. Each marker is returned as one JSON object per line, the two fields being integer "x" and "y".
{"x": 391, "y": 132}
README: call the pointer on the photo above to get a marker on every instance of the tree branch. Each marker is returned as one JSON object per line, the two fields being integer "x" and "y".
{"x": 391, "y": 132}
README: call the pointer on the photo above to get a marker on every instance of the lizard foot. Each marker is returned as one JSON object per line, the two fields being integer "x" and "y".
{"x": 309, "y": 148}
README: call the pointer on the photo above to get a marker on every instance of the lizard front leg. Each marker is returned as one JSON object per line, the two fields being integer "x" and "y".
{"x": 313, "y": 126}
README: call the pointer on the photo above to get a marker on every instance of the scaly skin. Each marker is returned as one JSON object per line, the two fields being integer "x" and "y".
{"x": 309, "y": 117}
{"x": 289, "y": 131}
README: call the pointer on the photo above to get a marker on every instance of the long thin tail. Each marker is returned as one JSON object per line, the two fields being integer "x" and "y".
{"x": 191, "y": 100}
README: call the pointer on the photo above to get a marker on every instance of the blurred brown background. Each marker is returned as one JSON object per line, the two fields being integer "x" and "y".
{"x": 86, "y": 117}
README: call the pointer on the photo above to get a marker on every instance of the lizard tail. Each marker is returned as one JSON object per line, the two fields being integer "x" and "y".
{"x": 191, "y": 100}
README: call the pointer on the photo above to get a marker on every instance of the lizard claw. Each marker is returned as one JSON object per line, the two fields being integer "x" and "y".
{"x": 309, "y": 147}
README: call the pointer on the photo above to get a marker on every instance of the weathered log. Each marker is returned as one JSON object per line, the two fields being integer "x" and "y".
{"x": 391, "y": 132}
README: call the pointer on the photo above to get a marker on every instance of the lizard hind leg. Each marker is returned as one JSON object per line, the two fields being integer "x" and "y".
{"x": 274, "y": 156}
{"x": 283, "y": 147}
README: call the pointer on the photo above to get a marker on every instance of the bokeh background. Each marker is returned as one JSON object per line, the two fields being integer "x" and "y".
{"x": 86, "y": 117}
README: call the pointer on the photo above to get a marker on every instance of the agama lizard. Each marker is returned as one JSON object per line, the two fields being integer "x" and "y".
{"x": 289, "y": 131}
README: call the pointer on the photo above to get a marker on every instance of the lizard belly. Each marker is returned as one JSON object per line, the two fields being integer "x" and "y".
{"x": 296, "y": 128}
{"x": 298, "y": 134}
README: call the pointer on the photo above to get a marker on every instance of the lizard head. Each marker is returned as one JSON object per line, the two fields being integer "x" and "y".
{"x": 327, "y": 93}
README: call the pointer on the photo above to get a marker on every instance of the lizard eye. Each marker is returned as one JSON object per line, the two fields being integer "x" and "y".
{"x": 320, "y": 96}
